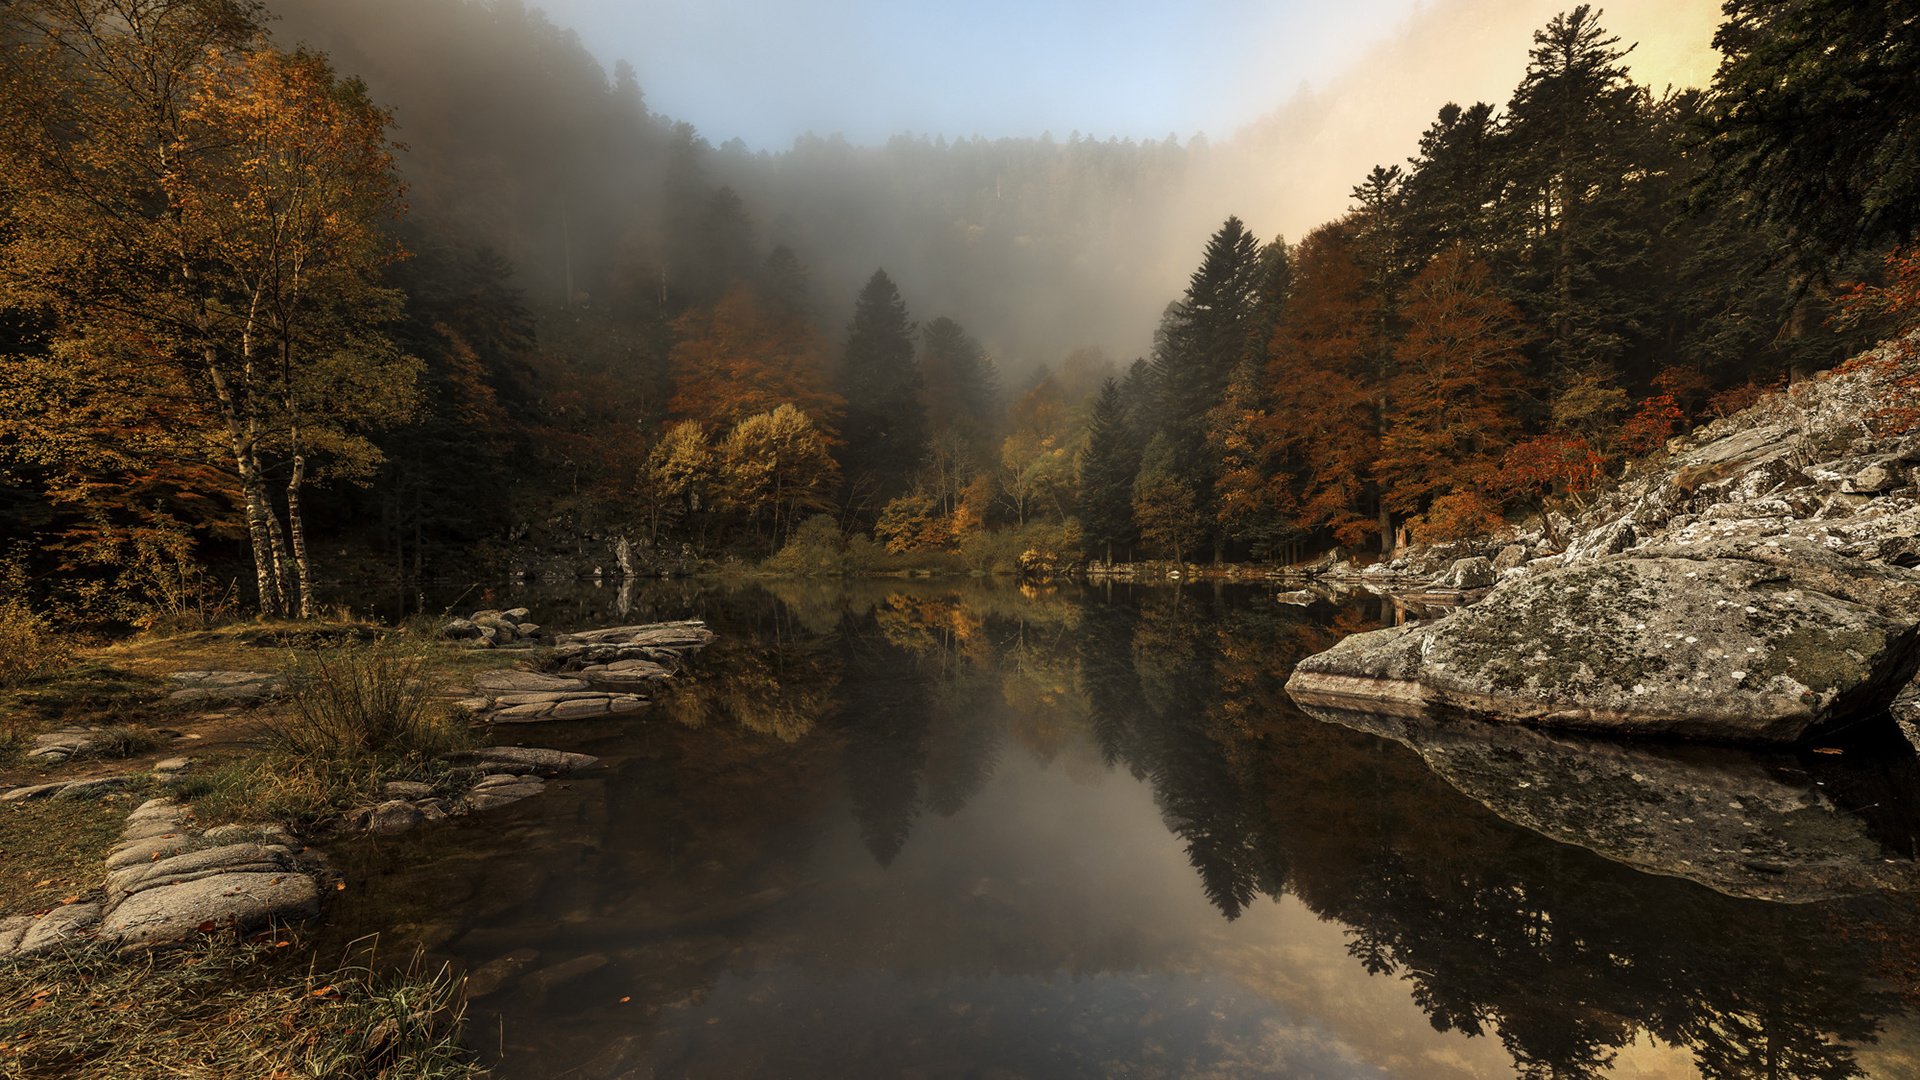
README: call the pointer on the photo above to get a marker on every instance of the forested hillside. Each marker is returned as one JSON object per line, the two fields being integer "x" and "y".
{"x": 437, "y": 295}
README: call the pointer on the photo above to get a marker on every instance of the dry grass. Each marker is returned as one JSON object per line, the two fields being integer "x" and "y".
{"x": 360, "y": 715}
{"x": 52, "y": 849}
{"x": 227, "y": 1009}
{"x": 29, "y": 648}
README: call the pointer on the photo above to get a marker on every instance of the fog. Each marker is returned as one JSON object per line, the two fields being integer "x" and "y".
{"x": 1037, "y": 244}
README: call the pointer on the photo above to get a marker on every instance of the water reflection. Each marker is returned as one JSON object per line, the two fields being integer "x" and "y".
{"x": 956, "y": 831}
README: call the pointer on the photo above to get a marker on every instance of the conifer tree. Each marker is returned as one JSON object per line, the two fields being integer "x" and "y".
{"x": 886, "y": 429}
{"x": 1812, "y": 113}
{"x": 1108, "y": 465}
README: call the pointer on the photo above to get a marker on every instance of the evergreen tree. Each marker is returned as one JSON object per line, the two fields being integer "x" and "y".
{"x": 1449, "y": 195}
{"x": 886, "y": 426}
{"x": 1108, "y": 465}
{"x": 1201, "y": 340}
{"x": 962, "y": 387}
{"x": 1813, "y": 112}
{"x": 1576, "y": 139}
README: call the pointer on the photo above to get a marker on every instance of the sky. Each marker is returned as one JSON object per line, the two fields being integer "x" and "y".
{"x": 766, "y": 71}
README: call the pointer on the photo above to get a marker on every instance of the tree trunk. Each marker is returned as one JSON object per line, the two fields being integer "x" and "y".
{"x": 297, "y": 524}
{"x": 259, "y": 509}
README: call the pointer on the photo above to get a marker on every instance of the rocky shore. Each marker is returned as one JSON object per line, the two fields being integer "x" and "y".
{"x": 1755, "y": 584}
{"x": 168, "y": 879}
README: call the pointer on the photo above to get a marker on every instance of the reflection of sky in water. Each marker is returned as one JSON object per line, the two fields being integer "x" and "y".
{"x": 916, "y": 862}
{"x": 1053, "y": 928}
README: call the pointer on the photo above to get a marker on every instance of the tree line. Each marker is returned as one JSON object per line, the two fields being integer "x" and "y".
{"x": 240, "y": 323}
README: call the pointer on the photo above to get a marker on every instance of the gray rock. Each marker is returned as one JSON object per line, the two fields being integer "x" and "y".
{"x": 393, "y": 817}
{"x": 690, "y": 633}
{"x": 238, "y": 901}
{"x": 516, "y": 615}
{"x": 1472, "y": 573}
{"x": 1511, "y": 557}
{"x": 460, "y": 630}
{"x": 150, "y": 849}
{"x": 194, "y": 865}
{"x": 625, "y": 675}
{"x": 543, "y": 760}
{"x": 59, "y": 925}
{"x": 407, "y": 789}
{"x": 510, "y": 682}
{"x": 1873, "y": 480}
{"x": 1726, "y": 645}
{"x": 172, "y": 764}
{"x": 218, "y": 687}
{"x": 67, "y": 789}
{"x": 12, "y": 929}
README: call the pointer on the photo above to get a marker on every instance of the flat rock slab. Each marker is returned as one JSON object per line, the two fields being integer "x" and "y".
{"x": 225, "y": 686}
{"x": 691, "y": 633}
{"x": 533, "y": 757}
{"x": 194, "y": 865}
{"x": 1720, "y": 646}
{"x": 625, "y": 674}
{"x": 515, "y": 682}
{"x": 57, "y": 926}
{"x": 67, "y": 789}
{"x": 240, "y": 901}
{"x": 571, "y": 707}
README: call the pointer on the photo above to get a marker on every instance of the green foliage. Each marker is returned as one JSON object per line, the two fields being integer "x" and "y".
{"x": 886, "y": 425}
{"x": 1108, "y": 465}
{"x": 818, "y": 549}
{"x": 1811, "y": 122}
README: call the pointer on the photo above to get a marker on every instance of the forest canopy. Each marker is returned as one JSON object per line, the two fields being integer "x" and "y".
{"x": 283, "y": 294}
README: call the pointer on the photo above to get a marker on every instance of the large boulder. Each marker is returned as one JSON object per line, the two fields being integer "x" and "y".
{"x": 1735, "y": 641}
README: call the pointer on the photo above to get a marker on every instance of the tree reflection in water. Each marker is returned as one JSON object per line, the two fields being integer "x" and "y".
{"x": 897, "y": 704}
{"x": 1563, "y": 955}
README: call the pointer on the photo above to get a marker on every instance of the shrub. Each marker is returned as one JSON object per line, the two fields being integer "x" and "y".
{"x": 816, "y": 549}
{"x": 29, "y": 648}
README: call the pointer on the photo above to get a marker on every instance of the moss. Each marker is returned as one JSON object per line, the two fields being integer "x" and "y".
{"x": 1823, "y": 660}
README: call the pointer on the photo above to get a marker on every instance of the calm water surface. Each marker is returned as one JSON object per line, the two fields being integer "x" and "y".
{"x": 923, "y": 830}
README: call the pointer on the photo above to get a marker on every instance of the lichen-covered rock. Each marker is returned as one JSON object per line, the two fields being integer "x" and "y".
{"x": 1470, "y": 573}
{"x": 1722, "y": 645}
{"x": 238, "y": 901}
{"x": 534, "y": 758}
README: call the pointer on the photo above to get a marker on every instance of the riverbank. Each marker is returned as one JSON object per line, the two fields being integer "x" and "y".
{"x": 192, "y": 822}
{"x": 1755, "y": 583}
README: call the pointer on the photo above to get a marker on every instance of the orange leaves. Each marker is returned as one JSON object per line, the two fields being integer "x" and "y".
{"x": 738, "y": 359}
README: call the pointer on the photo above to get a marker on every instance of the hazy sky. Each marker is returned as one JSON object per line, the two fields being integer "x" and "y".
{"x": 767, "y": 70}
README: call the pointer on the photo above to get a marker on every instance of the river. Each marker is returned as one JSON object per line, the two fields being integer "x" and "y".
{"x": 970, "y": 830}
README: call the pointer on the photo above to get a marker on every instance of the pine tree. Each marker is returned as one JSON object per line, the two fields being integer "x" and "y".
{"x": 1108, "y": 465}
{"x": 1813, "y": 113}
{"x": 1201, "y": 340}
{"x": 1576, "y": 138}
{"x": 886, "y": 427}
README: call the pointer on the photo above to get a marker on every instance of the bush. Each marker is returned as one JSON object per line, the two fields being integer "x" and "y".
{"x": 816, "y": 549}
{"x": 29, "y": 648}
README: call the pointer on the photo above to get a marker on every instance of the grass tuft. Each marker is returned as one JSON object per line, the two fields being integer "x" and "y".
{"x": 359, "y": 716}
{"x": 226, "y": 1009}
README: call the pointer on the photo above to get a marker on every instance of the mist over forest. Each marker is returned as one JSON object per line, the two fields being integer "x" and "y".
{"x": 562, "y": 327}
